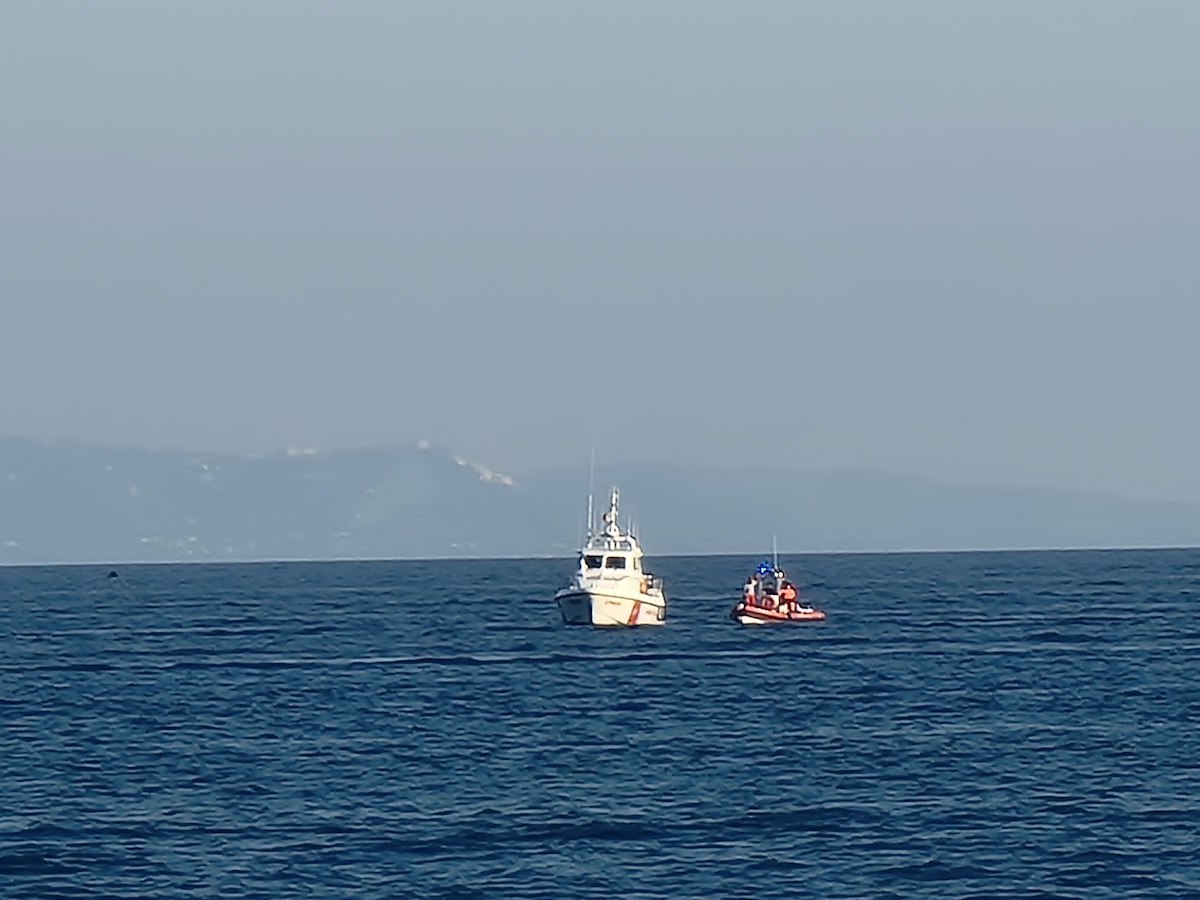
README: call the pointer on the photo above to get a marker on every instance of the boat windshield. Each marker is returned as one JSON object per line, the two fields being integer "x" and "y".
{"x": 592, "y": 562}
{"x": 615, "y": 562}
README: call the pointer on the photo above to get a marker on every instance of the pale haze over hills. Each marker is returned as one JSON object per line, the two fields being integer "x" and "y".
{"x": 954, "y": 242}
{"x": 78, "y": 503}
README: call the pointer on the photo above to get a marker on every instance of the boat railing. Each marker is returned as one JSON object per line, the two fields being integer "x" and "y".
{"x": 652, "y": 583}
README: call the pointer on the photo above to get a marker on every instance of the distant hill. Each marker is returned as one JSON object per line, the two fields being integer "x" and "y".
{"x": 699, "y": 509}
{"x": 68, "y": 502}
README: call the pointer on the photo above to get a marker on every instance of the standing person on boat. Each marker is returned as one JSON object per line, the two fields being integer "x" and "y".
{"x": 749, "y": 591}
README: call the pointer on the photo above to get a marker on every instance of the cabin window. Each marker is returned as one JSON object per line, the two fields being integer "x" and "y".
{"x": 615, "y": 562}
{"x": 592, "y": 562}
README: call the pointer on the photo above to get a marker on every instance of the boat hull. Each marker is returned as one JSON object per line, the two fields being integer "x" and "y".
{"x": 757, "y": 615}
{"x": 580, "y": 607}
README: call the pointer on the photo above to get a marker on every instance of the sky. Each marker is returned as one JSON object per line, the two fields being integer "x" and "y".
{"x": 952, "y": 239}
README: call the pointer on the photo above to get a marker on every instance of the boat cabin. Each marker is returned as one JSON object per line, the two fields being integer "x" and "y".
{"x": 610, "y": 552}
{"x": 610, "y": 561}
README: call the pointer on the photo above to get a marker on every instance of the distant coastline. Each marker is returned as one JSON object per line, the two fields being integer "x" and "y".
{"x": 65, "y": 503}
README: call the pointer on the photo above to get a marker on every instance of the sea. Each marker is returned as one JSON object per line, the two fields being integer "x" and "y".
{"x": 1008, "y": 724}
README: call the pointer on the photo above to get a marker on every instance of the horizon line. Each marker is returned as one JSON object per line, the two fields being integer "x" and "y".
{"x": 1142, "y": 548}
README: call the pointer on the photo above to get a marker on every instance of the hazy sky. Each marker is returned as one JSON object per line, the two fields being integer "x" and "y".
{"x": 950, "y": 238}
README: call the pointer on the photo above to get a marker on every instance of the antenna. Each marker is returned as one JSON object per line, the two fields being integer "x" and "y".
{"x": 774, "y": 553}
{"x": 591, "y": 484}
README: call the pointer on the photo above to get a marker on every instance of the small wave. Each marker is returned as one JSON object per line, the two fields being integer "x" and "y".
{"x": 38, "y": 831}
{"x": 485, "y": 830}
{"x": 34, "y": 863}
{"x": 1057, "y": 637}
{"x": 156, "y": 661}
{"x": 936, "y": 870}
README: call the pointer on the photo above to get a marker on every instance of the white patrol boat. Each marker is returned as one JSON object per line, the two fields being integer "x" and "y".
{"x": 611, "y": 587}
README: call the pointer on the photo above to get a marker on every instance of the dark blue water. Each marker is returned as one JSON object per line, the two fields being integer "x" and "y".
{"x": 1021, "y": 724}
